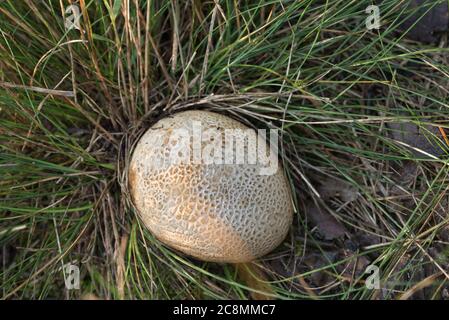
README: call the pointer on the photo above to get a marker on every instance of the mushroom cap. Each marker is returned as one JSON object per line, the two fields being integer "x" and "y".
{"x": 214, "y": 212}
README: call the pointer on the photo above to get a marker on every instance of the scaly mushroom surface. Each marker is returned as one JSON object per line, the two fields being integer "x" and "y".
{"x": 214, "y": 212}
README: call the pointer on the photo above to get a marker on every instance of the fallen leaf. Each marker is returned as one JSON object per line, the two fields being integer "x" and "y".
{"x": 254, "y": 277}
{"x": 427, "y": 282}
{"x": 328, "y": 227}
{"x": 426, "y": 25}
{"x": 406, "y": 174}
{"x": 316, "y": 261}
{"x": 89, "y": 296}
{"x": 331, "y": 188}
{"x": 364, "y": 239}
{"x": 356, "y": 265}
{"x": 418, "y": 137}
{"x": 120, "y": 262}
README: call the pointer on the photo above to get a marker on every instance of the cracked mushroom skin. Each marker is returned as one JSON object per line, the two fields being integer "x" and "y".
{"x": 213, "y": 212}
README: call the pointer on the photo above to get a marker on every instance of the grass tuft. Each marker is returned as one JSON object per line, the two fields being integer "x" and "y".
{"x": 74, "y": 102}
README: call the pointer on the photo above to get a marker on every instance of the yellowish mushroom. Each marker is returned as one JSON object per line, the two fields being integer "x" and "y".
{"x": 210, "y": 209}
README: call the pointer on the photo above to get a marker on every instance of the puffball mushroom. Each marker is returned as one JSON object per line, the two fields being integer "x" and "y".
{"x": 221, "y": 212}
